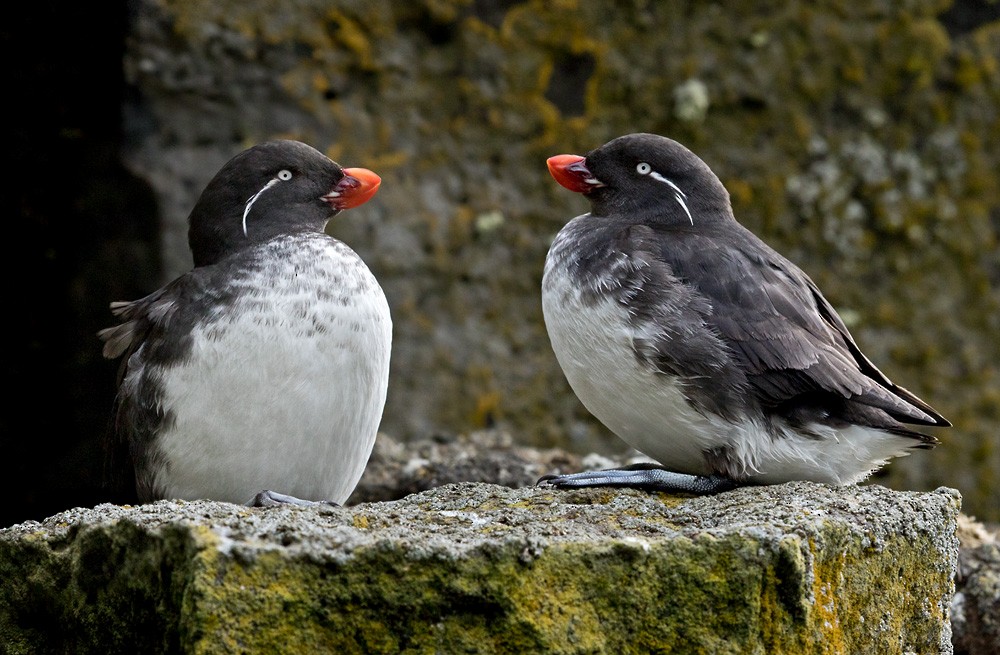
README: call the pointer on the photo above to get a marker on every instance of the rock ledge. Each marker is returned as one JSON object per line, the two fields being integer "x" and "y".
{"x": 482, "y": 568}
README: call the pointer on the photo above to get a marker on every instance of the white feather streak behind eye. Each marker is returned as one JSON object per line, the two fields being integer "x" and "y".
{"x": 679, "y": 195}
{"x": 253, "y": 199}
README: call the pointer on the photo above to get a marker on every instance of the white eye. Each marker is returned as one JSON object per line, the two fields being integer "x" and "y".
{"x": 284, "y": 175}
{"x": 643, "y": 168}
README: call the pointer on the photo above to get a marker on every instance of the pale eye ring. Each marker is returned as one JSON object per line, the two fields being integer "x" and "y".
{"x": 643, "y": 168}
{"x": 284, "y": 175}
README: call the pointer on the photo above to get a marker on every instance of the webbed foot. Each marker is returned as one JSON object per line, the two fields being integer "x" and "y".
{"x": 268, "y": 498}
{"x": 647, "y": 477}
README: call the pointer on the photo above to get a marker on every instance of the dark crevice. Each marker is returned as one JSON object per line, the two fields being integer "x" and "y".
{"x": 966, "y": 15}
{"x": 438, "y": 32}
{"x": 86, "y": 234}
{"x": 568, "y": 85}
{"x": 753, "y": 103}
{"x": 492, "y": 12}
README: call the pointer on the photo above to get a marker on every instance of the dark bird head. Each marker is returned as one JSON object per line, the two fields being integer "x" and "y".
{"x": 277, "y": 187}
{"x": 646, "y": 177}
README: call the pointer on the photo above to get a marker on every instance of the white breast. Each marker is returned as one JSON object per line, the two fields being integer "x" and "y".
{"x": 286, "y": 391}
{"x": 593, "y": 342}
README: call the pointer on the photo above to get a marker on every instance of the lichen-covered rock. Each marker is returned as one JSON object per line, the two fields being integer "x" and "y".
{"x": 975, "y": 608}
{"x": 857, "y": 138}
{"x": 485, "y": 569}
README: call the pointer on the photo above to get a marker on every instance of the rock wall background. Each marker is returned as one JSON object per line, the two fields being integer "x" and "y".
{"x": 858, "y": 139}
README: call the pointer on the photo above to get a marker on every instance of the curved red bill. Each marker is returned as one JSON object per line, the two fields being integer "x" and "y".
{"x": 356, "y": 188}
{"x": 571, "y": 171}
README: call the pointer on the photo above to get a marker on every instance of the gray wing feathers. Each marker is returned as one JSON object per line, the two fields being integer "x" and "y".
{"x": 772, "y": 320}
{"x": 138, "y": 316}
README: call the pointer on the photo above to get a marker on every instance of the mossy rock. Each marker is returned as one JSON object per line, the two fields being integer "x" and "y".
{"x": 797, "y": 568}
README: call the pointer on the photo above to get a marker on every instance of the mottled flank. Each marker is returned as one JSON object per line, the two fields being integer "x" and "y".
{"x": 857, "y": 138}
{"x": 475, "y": 568}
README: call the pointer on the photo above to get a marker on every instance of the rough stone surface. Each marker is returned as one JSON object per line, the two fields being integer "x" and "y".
{"x": 857, "y": 138}
{"x": 482, "y": 568}
{"x": 397, "y": 469}
{"x": 975, "y": 608}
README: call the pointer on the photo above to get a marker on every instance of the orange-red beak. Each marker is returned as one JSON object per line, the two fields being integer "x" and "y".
{"x": 571, "y": 171}
{"x": 356, "y": 188}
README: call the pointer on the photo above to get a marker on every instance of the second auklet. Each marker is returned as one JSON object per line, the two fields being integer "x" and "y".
{"x": 265, "y": 367}
{"x": 699, "y": 345}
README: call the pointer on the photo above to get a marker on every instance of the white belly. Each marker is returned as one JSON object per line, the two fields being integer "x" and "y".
{"x": 647, "y": 409}
{"x": 593, "y": 345}
{"x": 286, "y": 394}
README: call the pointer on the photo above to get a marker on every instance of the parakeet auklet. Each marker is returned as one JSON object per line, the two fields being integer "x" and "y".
{"x": 696, "y": 343}
{"x": 265, "y": 366}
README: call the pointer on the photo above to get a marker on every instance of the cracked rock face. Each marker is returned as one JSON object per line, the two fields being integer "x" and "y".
{"x": 474, "y": 567}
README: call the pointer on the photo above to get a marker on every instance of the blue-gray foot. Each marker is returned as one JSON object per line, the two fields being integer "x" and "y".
{"x": 268, "y": 498}
{"x": 645, "y": 477}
